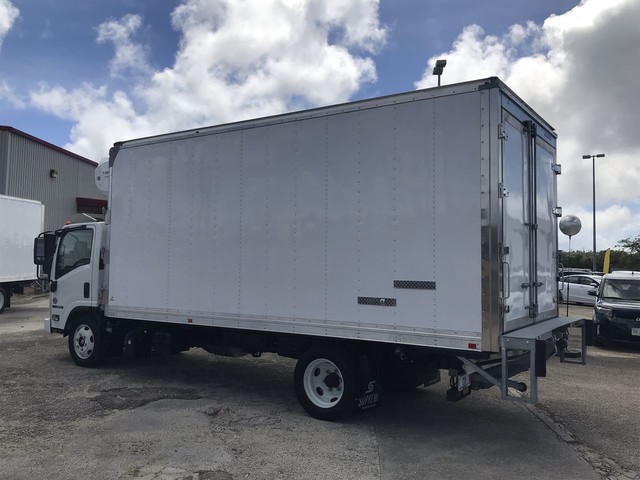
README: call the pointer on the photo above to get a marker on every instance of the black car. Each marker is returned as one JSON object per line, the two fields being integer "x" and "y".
{"x": 616, "y": 314}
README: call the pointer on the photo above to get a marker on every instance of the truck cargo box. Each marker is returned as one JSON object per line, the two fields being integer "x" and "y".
{"x": 22, "y": 221}
{"x": 425, "y": 218}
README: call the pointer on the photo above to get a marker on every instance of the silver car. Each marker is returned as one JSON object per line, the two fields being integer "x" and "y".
{"x": 575, "y": 288}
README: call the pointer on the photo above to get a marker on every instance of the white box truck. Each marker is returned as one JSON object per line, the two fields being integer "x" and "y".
{"x": 21, "y": 220}
{"x": 378, "y": 242}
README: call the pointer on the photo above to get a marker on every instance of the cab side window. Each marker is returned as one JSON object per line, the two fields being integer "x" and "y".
{"x": 74, "y": 251}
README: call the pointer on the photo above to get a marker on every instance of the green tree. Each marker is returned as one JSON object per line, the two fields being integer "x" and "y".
{"x": 620, "y": 260}
{"x": 631, "y": 244}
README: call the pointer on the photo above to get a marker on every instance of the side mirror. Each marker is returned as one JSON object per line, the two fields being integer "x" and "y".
{"x": 38, "y": 251}
{"x": 594, "y": 284}
{"x": 592, "y": 293}
{"x": 44, "y": 247}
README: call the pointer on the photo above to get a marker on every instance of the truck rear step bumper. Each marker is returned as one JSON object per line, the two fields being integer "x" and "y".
{"x": 527, "y": 348}
{"x": 533, "y": 339}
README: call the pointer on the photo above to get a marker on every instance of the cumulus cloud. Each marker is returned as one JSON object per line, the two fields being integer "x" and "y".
{"x": 8, "y": 94}
{"x": 8, "y": 15}
{"x": 129, "y": 55}
{"x": 235, "y": 60}
{"x": 92, "y": 109}
{"x": 579, "y": 70}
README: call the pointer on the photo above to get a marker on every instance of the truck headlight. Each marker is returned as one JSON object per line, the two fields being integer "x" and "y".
{"x": 605, "y": 312}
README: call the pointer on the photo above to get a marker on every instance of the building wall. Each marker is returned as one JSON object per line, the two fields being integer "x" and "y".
{"x": 25, "y": 165}
{"x": 4, "y": 151}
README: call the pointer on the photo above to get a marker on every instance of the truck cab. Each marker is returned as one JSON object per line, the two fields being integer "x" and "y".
{"x": 72, "y": 258}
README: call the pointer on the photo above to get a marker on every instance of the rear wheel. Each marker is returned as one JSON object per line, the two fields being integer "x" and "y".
{"x": 4, "y": 299}
{"x": 87, "y": 344}
{"x": 324, "y": 381}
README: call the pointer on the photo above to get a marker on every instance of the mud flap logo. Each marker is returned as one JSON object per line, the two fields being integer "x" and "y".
{"x": 371, "y": 396}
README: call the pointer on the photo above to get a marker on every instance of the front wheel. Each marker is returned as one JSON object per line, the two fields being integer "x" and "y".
{"x": 87, "y": 342}
{"x": 324, "y": 380}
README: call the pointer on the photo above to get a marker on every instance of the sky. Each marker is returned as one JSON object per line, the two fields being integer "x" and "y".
{"x": 84, "y": 74}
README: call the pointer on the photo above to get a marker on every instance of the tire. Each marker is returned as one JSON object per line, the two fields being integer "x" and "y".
{"x": 87, "y": 342}
{"x": 4, "y": 299}
{"x": 325, "y": 381}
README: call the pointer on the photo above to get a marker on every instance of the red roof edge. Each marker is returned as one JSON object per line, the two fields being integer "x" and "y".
{"x": 7, "y": 128}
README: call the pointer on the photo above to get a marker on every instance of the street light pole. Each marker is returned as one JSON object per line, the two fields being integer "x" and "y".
{"x": 593, "y": 158}
{"x": 437, "y": 70}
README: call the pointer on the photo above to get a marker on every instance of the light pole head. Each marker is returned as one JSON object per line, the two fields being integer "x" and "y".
{"x": 437, "y": 70}
{"x": 440, "y": 64}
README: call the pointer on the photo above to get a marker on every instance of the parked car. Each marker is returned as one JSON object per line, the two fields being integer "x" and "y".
{"x": 575, "y": 288}
{"x": 564, "y": 272}
{"x": 616, "y": 315}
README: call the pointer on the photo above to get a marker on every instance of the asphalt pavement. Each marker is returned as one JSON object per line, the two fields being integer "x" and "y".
{"x": 199, "y": 416}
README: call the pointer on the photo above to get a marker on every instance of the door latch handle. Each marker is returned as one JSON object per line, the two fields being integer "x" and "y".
{"x": 506, "y": 272}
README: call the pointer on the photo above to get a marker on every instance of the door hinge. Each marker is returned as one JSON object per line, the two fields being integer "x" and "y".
{"x": 557, "y": 168}
{"x": 531, "y": 128}
{"x": 502, "y": 133}
{"x": 557, "y": 211}
{"x": 503, "y": 191}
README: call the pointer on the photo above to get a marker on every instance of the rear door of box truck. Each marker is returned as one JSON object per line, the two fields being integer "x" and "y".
{"x": 529, "y": 224}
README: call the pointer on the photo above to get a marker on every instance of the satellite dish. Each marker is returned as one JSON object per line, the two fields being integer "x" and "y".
{"x": 103, "y": 176}
{"x": 570, "y": 225}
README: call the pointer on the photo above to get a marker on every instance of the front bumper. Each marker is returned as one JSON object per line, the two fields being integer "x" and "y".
{"x": 616, "y": 329}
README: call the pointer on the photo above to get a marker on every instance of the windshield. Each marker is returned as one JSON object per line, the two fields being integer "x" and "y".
{"x": 74, "y": 251}
{"x": 622, "y": 289}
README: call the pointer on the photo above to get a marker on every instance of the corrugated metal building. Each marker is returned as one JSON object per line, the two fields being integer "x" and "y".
{"x": 38, "y": 170}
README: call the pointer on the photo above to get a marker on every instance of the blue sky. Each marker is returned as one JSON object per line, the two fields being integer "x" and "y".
{"x": 85, "y": 74}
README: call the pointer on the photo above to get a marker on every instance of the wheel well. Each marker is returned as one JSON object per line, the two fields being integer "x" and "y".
{"x": 75, "y": 315}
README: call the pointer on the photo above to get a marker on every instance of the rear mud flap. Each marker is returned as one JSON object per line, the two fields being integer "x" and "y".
{"x": 370, "y": 396}
{"x": 368, "y": 386}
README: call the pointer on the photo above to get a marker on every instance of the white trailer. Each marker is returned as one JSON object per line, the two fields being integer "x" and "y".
{"x": 377, "y": 241}
{"x": 22, "y": 220}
